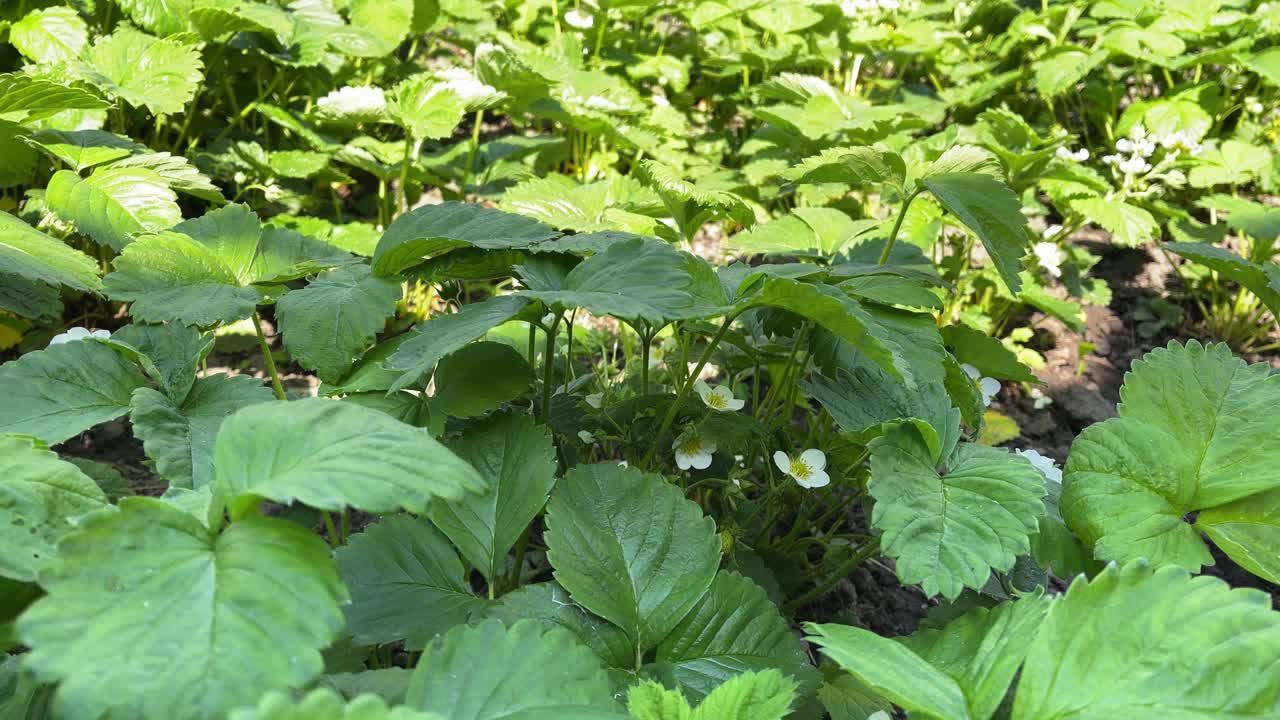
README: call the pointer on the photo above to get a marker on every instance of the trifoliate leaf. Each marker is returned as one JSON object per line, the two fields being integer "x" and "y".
{"x": 325, "y": 704}
{"x": 179, "y": 436}
{"x": 630, "y": 548}
{"x": 66, "y": 389}
{"x": 335, "y": 318}
{"x": 441, "y": 335}
{"x": 406, "y": 583}
{"x": 426, "y": 108}
{"x": 145, "y": 71}
{"x": 50, "y": 35}
{"x": 27, "y": 252}
{"x": 734, "y": 628}
{"x": 949, "y": 525}
{"x": 540, "y": 669}
{"x": 1192, "y": 434}
{"x": 113, "y": 205}
{"x": 40, "y": 498}
{"x": 991, "y": 210}
{"x": 148, "y": 586}
{"x": 518, "y": 461}
{"x": 333, "y": 455}
{"x": 1141, "y": 643}
{"x": 205, "y": 271}
{"x": 431, "y": 230}
{"x": 1231, "y": 163}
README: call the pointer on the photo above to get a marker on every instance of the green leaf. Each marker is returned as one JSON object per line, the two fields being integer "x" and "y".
{"x": 386, "y": 21}
{"x": 177, "y": 172}
{"x": 406, "y": 582}
{"x": 986, "y": 353}
{"x": 49, "y": 36}
{"x": 1248, "y": 531}
{"x": 162, "y": 17}
{"x": 550, "y": 605}
{"x": 1141, "y": 643}
{"x": 540, "y": 670}
{"x": 965, "y": 159}
{"x": 20, "y": 159}
{"x": 851, "y": 165}
{"x": 1192, "y": 434}
{"x": 1253, "y": 277}
{"x": 40, "y": 498}
{"x": 335, "y": 318}
{"x": 630, "y": 548}
{"x": 983, "y": 649}
{"x": 735, "y": 628}
{"x": 233, "y": 615}
{"x": 1129, "y": 225}
{"x": 333, "y": 455}
{"x": 145, "y": 71}
{"x": 846, "y": 697}
{"x": 1063, "y": 68}
{"x": 82, "y": 149}
{"x": 30, "y": 253}
{"x": 518, "y": 461}
{"x": 24, "y": 98}
{"x": 948, "y": 526}
{"x": 174, "y": 351}
{"x": 640, "y": 279}
{"x": 66, "y": 389}
{"x": 991, "y": 210}
{"x": 765, "y": 695}
{"x": 444, "y": 334}
{"x": 179, "y": 436}
{"x": 325, "y": 704}
{"x": 808, "y": 230}
{"x": 426, "y": 108}
{"x": 206, "y": 270}
{"x": 893, "y": 670}
{"x": 1231, "y": 163}
{"x": 113, "y": 204}
{"x": 428, "y": 231}
{"x": 479, "y": 377}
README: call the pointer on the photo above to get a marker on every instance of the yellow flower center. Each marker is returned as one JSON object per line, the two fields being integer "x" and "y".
{"x": 691, "y": 446}
{"x": 799, "y": 469}
{"x": 715, "y": 401}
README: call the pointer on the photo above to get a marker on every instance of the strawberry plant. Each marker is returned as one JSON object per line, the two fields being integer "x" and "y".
{"x": 517, "y": 360}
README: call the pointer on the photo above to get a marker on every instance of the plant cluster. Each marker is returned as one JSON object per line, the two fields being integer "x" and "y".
{"x": 601, "y": 341}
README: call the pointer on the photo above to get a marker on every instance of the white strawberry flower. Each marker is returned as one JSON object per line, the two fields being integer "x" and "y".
{"x": 359, "y": 101}
{"x": 580, "y": 19}
{"x": 1065, "y": 153}
{"x": 986, "y": 385}
{"x": 1135, "y": 165}
{"x": 693, "y": 451}
{"x": 1252, "y": 105}
{"x": 1047, "y": 467}
{"x": 719, "y": 398}
{"x": 78, "y": 333}
{"x": 808, "y": 468}
{"x": 1050, "y": 257}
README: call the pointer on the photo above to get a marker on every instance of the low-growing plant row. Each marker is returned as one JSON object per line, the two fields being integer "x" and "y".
{"x": 678, "y": 360}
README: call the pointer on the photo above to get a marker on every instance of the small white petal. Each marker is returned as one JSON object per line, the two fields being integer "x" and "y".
{"x": 816, "y": 479}
{"x": 683, "y": 461}
{"x": 701, "y": 461}
{"x": 814, "y": 458}
{"x": 971, "y": 371}
{"x": 782, "y": 461}
{"x": 735, "y": 404}
{"x": 990, "y": 387}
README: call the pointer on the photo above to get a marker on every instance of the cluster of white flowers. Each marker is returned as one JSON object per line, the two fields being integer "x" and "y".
{"x": 808, "y": 469}
{"x": 1140, "y": 146}
{"x": 1065, "y": 153}
{"x": 353, "y": 101}
{"x": 1180, "y": 141}
{"x": 467, "y": 86}
{"x": 1047, "y": 467}
{"x": 986, "y": 385}
{"x": 1039, "y": 399}
{"x": 78, "y": 333}
{"x": 1049, "y": 255}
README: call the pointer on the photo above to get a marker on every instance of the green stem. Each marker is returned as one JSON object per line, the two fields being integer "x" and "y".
{"x": 475, "y": 147}
{"x": 548, "y": 367}
{"x": 841, "y": 572}
{"x": 672, "y": 411}
{"x": 513, "y": 581}
{"x": 411, "y": 148}
{"x": 897, "y": 225}
{"x": 644, "y": 364}
{"x": 334, "y": 539}
{"x": 269, "y": 361}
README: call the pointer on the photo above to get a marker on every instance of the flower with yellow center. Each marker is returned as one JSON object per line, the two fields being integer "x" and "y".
{"x": 719, "y": 398}
{"x": 692, "y": 451}
{"x": 808, "y": 468}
